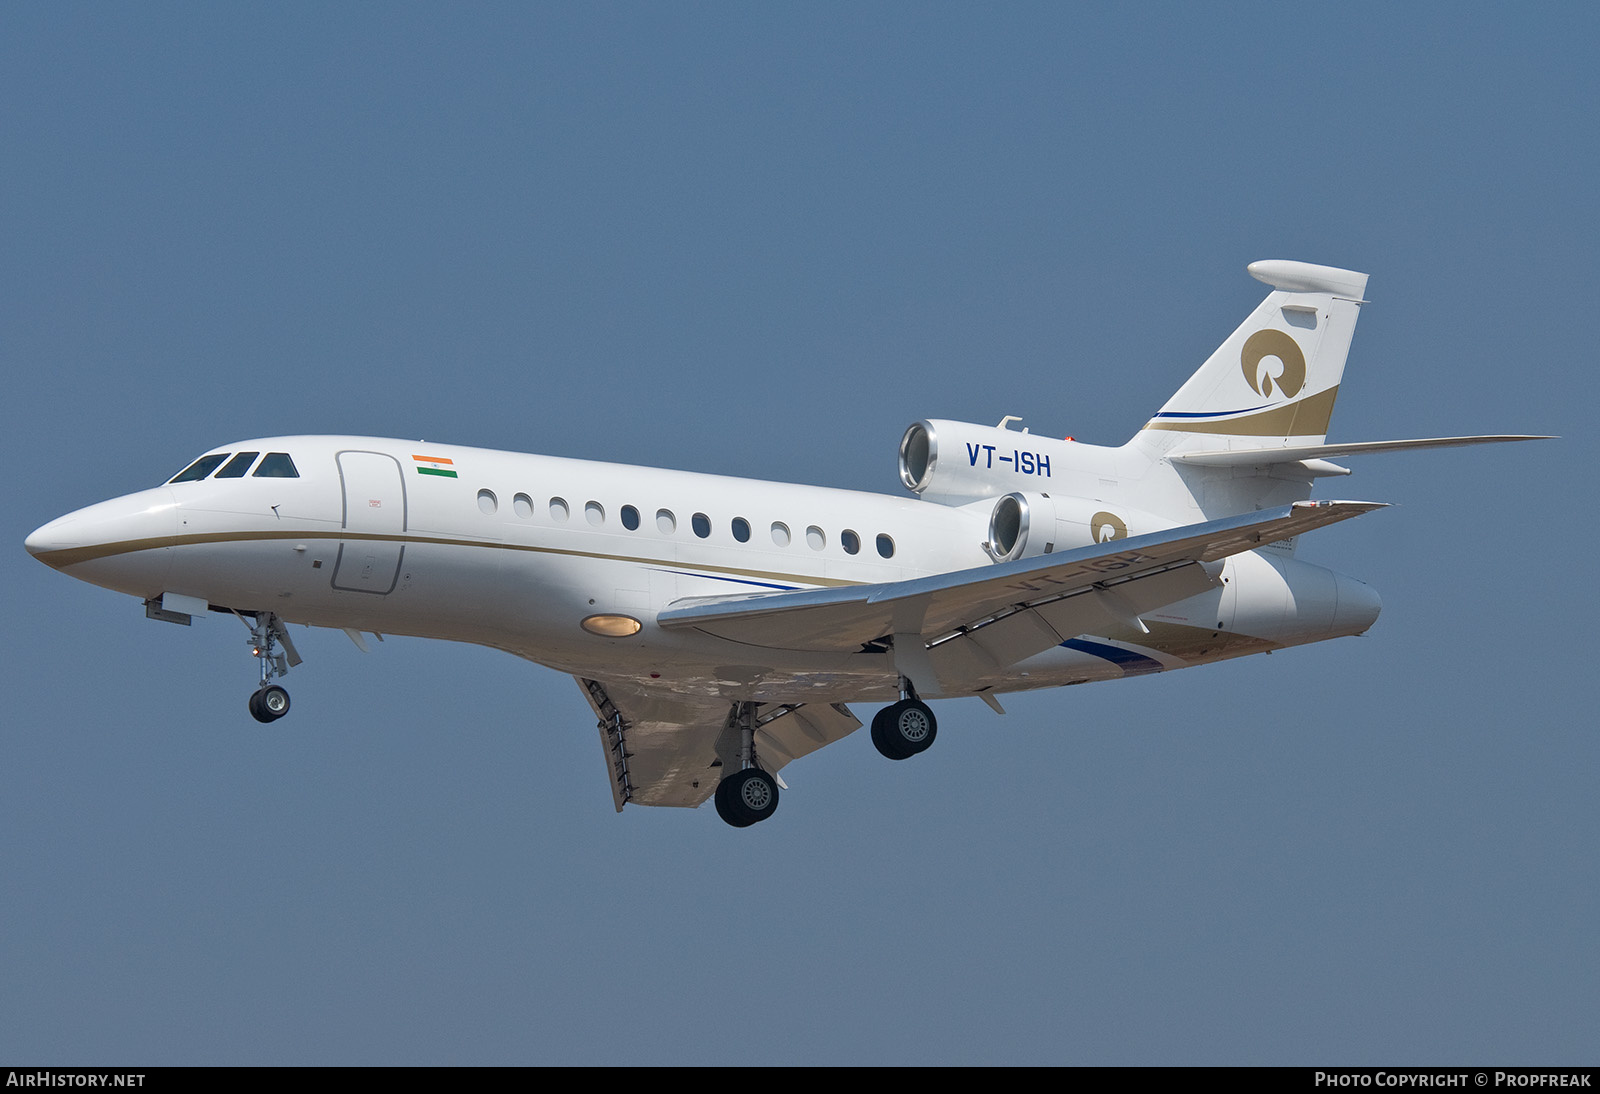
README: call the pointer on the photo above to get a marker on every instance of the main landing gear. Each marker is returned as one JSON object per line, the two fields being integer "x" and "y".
{"x": 903, "y": 729}
{"x": 749, "y": 795}
{"x": 267, "y": 632}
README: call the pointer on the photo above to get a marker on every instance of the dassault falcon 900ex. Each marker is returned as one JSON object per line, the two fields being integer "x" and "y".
{"x": 718, "y": 626}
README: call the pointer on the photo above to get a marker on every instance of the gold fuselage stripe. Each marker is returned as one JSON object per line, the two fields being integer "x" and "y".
{"x": 71, "y": 556}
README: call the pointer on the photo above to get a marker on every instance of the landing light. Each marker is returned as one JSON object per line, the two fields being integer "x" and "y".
{"x": 612, "y": 626}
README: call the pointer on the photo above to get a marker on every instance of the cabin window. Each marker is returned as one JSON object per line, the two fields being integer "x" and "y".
{"x": 701, "y": 525}
{"x": 594, "y": 513}
{"x": 885, "y": 546}
{"x": 558, "y": 508}
{"x": 816, "y": 538}
{"x": 741, "y": 529}
{"x": 780, "y": 533}
{"x": 487, "y": 502}
{"x": 523, "y": 506}
{"x": 630, "y": 518}
{"x": 236, "y": 467}
{"x": 850, "y": 542}
{"x": 666, "y": 523}
{"x": 276, "y": 465}
{"x": 199, "y": 469}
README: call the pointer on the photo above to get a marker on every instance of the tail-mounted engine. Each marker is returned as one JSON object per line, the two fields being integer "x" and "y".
{"x": 955, "y": 462}
{"x": 1037, "y": 483}
{"x": 1023, "y": 525}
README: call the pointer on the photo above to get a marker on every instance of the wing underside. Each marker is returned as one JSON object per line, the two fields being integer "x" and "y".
{"x": 666, "y": 749}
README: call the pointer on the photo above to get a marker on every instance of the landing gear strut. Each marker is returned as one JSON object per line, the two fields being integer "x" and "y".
{"x": 903, "y": 729}
{"x": 267, "y": 632}
{"x": 749, "y": 795}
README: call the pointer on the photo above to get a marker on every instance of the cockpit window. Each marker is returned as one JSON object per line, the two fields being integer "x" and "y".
{"x": 276, "y": 465}
{"x": 237, "y": 466}
{"x": 200, "y": 468}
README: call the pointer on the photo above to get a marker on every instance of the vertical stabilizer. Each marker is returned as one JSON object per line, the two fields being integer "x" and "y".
{"x": 1273, "y": 383}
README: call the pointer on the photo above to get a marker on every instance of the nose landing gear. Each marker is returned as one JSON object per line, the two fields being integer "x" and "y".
{"x": 267, "y": 632}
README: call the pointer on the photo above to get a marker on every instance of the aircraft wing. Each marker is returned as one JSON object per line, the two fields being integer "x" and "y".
{"x": 994, "y": 616}
{"x": 668, "y": 749}
{"x": 665, "y": 748}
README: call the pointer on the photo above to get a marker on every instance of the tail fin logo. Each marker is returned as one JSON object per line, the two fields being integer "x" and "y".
{"x": 1273, "y": 343}
{"x": 1105, "y": 527}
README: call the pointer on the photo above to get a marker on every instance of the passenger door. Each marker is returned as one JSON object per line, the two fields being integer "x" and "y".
{"x": 374, "y": 509}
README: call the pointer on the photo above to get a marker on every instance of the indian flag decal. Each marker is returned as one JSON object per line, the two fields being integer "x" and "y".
{"x": 435, "y": 465}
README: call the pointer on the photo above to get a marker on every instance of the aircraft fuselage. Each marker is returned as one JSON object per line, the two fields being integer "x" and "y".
{"x": 516, "y": 551}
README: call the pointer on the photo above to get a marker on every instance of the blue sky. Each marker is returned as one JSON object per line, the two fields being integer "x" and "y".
{"x": 764, "y": 239}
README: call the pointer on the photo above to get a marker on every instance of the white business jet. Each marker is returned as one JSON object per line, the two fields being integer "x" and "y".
{"x": 718, "y": 625}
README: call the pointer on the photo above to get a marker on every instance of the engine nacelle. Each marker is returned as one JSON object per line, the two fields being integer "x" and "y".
{"x": 1024, "y": 525}
{"x": 959, "y": 461}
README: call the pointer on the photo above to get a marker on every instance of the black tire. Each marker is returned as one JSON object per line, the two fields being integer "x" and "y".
{"x": 882, "y": 739}
{"x": 269, "y": 704}
{"x": 725, "y": 808}
{"x": 747, "y": 797}
{"x": 904, "y": 729}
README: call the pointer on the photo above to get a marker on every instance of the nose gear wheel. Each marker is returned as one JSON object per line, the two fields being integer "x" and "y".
{"x": 269, "y": 704}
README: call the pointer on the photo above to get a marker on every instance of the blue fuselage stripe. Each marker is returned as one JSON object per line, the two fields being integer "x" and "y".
{"x": 1132, "y": 664}
{"x": 734, "y": 580}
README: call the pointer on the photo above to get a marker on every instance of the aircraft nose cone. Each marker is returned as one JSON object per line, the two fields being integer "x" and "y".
{"x": 48, "y": 539}
{"x": 122, "y": 544}
{"x": 1358, "y": 606}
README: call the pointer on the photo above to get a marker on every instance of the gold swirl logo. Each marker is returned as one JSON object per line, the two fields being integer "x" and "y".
{"x": 1105, "y": 527}
{"x": 1273, "y": 343}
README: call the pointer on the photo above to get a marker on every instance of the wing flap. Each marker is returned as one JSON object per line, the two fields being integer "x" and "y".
{"x": 1009, "y": 640}
{"x": 1027, "y": 631}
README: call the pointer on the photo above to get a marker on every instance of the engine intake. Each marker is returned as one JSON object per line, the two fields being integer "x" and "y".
{"x": 1009, "y": 527}
{"x": 1024, "y": 525}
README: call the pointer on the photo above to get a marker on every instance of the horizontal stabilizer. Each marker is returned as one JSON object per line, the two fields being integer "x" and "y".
{"x": 1265, "y": 457}
{"x": 1305, "y": 277}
